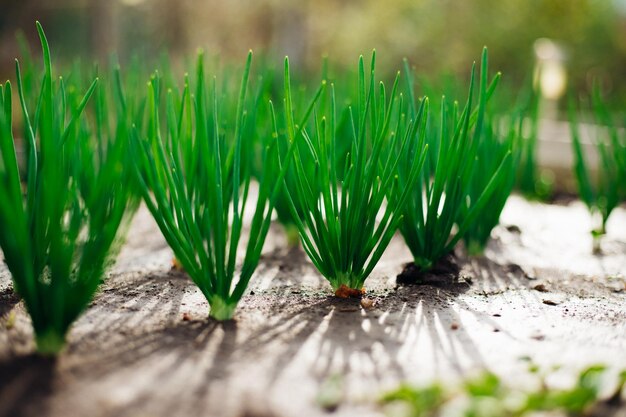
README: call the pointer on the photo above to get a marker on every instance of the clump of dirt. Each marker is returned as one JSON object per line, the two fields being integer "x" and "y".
{"x": 443, "y": 274}
{"x": 8, "y": 299}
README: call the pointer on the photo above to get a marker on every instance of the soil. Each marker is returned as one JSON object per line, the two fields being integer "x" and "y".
{"x": 145, "y": 347}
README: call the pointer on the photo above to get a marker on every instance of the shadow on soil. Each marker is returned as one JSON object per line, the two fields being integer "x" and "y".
{"x": 23, "y": 379}
{"x": 133, "y": 334}
{"x": 345, "y": 339}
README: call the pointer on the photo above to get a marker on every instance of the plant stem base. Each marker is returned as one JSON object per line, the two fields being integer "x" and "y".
{"x": 221, "y": 310}
{"x": 346, "y": 292}
{"x": 50, "y": 343}
{"x": 293, "y": 235}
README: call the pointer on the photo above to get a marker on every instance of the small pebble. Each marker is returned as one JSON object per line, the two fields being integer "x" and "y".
{"x": 367, "y": 303}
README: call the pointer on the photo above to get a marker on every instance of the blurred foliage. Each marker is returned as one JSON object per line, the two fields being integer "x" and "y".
{"x": 486, "y": 395}
{"x": 438, "y": 36}
{"x": 604, "y": 191}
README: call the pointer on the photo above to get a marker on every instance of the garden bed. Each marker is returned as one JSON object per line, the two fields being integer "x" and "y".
{"x": 146, "y": 348}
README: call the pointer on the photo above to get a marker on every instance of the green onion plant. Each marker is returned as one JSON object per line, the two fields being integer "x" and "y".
{"x": 343, "y": 216}
{"x": 604, "y": 192}
{"x": 528, "y": 174}
{"x": 300, "y": 98}
{"x": 496, "y": 159}
{"x": 264, "y": 136}
{"x": 58, "y": 229}
{"x": 195, "y": 178}
{"x": 532, "y": 181}
{"x": 444, "y": 202}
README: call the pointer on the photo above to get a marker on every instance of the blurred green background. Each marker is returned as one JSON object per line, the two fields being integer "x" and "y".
{"x": 438, "y": 36}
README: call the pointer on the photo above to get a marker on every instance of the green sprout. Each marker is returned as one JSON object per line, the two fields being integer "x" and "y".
{"x": 603, "y": 195}
{"x": 442, "y": 197}
{"x": 195, "y": 178}
{"x": 57, "y": 232}
{"x": 341, "y": 214}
